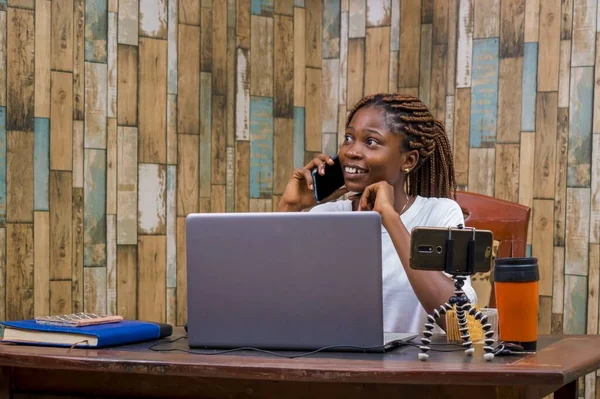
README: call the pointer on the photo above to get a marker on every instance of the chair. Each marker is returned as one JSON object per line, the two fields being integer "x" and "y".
{"x": 507, "y": 221}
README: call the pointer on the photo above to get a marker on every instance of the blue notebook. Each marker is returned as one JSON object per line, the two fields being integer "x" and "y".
{"x": 97, "y": 336}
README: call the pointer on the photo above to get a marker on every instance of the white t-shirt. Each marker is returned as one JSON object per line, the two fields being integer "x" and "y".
{"x": 402, "y": 311}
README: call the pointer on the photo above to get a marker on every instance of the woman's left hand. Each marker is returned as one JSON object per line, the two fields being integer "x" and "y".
{"x": 378, "y": 197}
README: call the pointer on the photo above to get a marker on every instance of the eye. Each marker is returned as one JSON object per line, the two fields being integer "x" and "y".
{"x": 371, "y": 141}
{"x": 347, "y": 138}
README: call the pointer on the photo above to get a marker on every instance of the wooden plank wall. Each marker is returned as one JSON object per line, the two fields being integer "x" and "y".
{"x": 120, "y": 117}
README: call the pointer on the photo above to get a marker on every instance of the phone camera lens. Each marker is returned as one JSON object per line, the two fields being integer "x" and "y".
{"x": 439, "y": 249}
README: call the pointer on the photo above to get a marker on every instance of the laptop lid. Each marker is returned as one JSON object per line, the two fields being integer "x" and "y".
{"x": 284, "y": 280}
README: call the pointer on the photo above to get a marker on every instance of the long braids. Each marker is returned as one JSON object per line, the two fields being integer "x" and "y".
{"x": 434, "y": 174}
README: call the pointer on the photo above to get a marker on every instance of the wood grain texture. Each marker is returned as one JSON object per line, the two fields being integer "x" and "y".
{"x": 111, "y": 264}
{"x": 242, "y": 96}
{"x": 242, "y": 23}
{"x": 43, "y": 57}
{"x": 593, "y": 288}
{"x": 242, "y": 176}
{"x": 3, "y": 29}
{"x": 79, "y": 44}
{"x": 111, "y": 167}
{"x": 152, "y": 278}
{"x": 96, "y": 30}
{"x": 153, "y": 18}
{"x": 545, "y": 315}
{"x": 188, "y": 80}
{"x": 283, "y": 153}
{"x": 187, "y": 174}
{"x": 510, "y": 80}
{"x": 575, "y": 312}
{"x": 3, "y": 271}
{"x": 425, "y": 64}
{"x": 313, "y": 110}
{"x": 437, "y": 98}
{"x": 41, "y": 163}
{"x": 111, "y": 109}
{"x": 506, "y": 181}
{"x": 19, "y": 177}
{"x": 60, "y": 222}
{"x": 464, "y": 45}
{"x": 77, "y": 230}
{"x": 127, "y": 185}
{"x": 261, "y": 57}
{"x": 171, "y": 226}
{"x": 544, "y": 174}
{"x": 94, "y": 214}
{"x": 526, "y": 168}
{"x": 152, "y": 195}
{"x": 19, "y": 271}
{"x": 331, "y": 25}
{"x": 94, "y": 289}
{"x": 62, "y": 34}
{"x": 486, "y": 18}
{"x": 181, "y": 273}
{"x": 283, "y": 79}
{"x": 61, "y": 123}
{"x": 512, "y": 23}
{"x": 41, "y": 263}
{"x": 481, "y": 170}
{"x": 96, "y": 102}
{"x": 560, "y": 192}
{"x": 152, "y": 101}
{"x": 78, "y": 154}
{"x": 314, "y": 33}
{"x": 330, "y": 82}
{"x": 595, "y": 195}
{"x": 189, "y": 12}
{"x": 20, "y": 70}
{"x": 542, "y": 246}
{"x": 558, "y": 282}
{"x": 172, "y": 129}
{"x": 462, "y": 107}
{"x": 356, "y": 68}
{"x": 299, "y": 56}
{"x": 357, "y": 10}
{"x": 452, "y": 46}
{"x": 484, "y": 94}
{"x": 218, "y": 139}
{"x": 410, "y": 43}
{"x": 566, "y": 24}
{"x": 127, "y": 281}
{"x": 205, "y": 143}
{"x": 532, "y": 20}
{"x": 577, "y": 231}
{"x": 377, "y": 59}
{"x": 261, "y": 147}
{"x": 172, "y": 49}
{"x": 60, "y": 298}
{"x": 128, "y": 22}
{"x": 219, "y": 48}
{"x": 3, "y": 165}
{"x": 549, "y": 46}
{"x": 529, "y": 87}
{"x": 584, "y": 33}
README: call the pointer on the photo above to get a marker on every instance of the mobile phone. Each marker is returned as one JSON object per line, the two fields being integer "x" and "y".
{"x": 429, "y": 249}
{"x": 333, "y": 179}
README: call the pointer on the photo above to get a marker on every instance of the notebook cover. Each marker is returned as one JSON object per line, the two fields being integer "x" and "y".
{"x": 125, "y": 332}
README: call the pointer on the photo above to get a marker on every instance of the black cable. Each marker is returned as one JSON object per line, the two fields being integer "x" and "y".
{"x": 395, "y": 343}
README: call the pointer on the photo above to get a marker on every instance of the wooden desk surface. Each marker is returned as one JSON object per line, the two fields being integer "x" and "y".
{"x": 559, "y": 360}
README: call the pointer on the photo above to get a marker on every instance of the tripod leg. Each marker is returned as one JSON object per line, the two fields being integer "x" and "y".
{"x": 487, "y": 330}
{"x": 461, "y": 314}
{"x": 428, "y": 331}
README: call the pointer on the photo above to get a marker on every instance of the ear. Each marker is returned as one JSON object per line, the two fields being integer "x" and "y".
{"x": 411, "y": 159}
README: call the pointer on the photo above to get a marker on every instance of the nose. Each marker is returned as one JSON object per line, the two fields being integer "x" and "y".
{"x": 352, "y": 153}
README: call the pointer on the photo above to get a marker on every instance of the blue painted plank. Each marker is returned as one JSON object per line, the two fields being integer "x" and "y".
{"x": 3, "y": 5}
{"x": 331, "y": 28}
{"x": 575, "y": 311}
{"x": 261, "y": 147}
{"x": 94, "y": 211}
{"x": 2, "y": 166}
{"x": 528, "y": 251}
{"x": 484, "y": 93}
{"x": 262, "y": 7}
{"x": 299, "y": 3}
{"x": 41, "y": 163}
{"x": 579, "y": 158}
{"x": 96, "y": 30}
{"x": 298, "y": 137}
{"x": 529, "y": 88}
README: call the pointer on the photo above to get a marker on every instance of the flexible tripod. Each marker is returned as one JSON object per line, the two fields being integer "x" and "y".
{"x": 462, "y": 304}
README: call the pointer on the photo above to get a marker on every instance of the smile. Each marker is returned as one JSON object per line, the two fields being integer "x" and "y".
{"x": 354, "y": 170}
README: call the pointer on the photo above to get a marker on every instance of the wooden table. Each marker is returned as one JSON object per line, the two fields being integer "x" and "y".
{"x": 136, "y": 371}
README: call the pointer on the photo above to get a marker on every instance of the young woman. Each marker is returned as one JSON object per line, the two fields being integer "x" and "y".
{"x": 397, "y": 160}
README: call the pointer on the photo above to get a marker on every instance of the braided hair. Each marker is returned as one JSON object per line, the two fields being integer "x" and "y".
{"x": 434, "y": 174}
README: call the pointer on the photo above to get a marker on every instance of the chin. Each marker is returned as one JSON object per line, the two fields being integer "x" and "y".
{"x": 355, "y": 187}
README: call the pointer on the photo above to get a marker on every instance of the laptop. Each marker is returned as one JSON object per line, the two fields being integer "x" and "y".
{"x": 286, "y": 281}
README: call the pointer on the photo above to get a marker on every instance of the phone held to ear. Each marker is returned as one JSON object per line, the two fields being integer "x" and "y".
{"x": 452, "y": 250}
{"x": 333, "y": 179}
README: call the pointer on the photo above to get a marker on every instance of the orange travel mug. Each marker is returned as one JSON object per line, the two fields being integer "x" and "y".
{"x": 516, "y": 286}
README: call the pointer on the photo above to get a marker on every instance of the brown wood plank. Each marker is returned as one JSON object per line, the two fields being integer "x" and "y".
{"x": 127, "y": 281}
{"x": 427, "y": 11}
{"x": 3, "y": 28}
{"x": 356, "y": 71}
{"x": 437, "y": 97}
{"x": 3, "y": 272}
{"x": 181, "y": 273}
{"x": 189, "y": 12}
{"x": 532, "y": 20}
{"x": 77, "y": 229}
{"x": 577, "y": 231}
{"x": 78, "y": 154}
{"x": 566, "y": 25}
{"x": 283, "y": 153}
{"x": 61, "y": 122}
{"x": 486, "y": 19}
{"x": 217, "y": 198}
{"x": 219, "y": 47}
{"x": 261, "y": 57}
{"x": 564, "y": 74}
{"x": 314, "y": 33}
{"x": 410, "y": 43}
{"x": 507, "y": 172}
{"x": 111, "y": 264}
{"x": 41, "y": 263}
{"x": 172, "y": 306}
{"x": 545, "y": 144}
{"x": 558, "y": 286}
{"x": 509, "y": 100}
{"x": 481, "y": 170}
{"x": 526, "y": 162}
{"x": 20, "y": 70}
{"x": 95, "y": 105}
{"x": 330, "y": 83}
{"x": 79, "y": 58}
{"x": 425, "y": 64}
{"x": 61, "y": 216}
{"x": 188, "y": 80}
{"x": 460, "y": 148}
{"x": 242, "y": 176}
{"x": 94, "y": 289}
{"x": 542, "y": 246}
{"x": 284, "y": 7}
{"x": 60, "y": 297}
{"x": 152, "y": 101}
{"x": 312, "y": 140}
{"x": 43, "y": 29}
{"x": 261, "y": 205}
{"x": 218, "y": 140}
{"x": 19, "y": 271}
{"x": 242, "y": 24}
{"x": 512, "y": 28}
{"x": 299, "y": 55}
{"x": 595, "y": 192}
{"x": 560, "y": 191}
{"x": 111, "y": 167}
{"x": 545, "y": 315}
{"x": 452, "y": 44}
{"x": 127, "y": 185}
{"x": 283, "y": 98}
{"x": 377, "y": 59}
{"x": 440, "y": 21}
{"x": 593, "y": 288}
{"x": 206, "y": 42}
{"x": 549, "y": 45}
{"x": 127, "y": 85}
{"x": 152, "y": 278}
{"x": 62, "y": 35}
{"x": 19, "y": 177}
{"x": 187, "y": 174}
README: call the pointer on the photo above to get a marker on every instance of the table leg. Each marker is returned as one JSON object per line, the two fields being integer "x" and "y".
{"x": 5, "y": 382}
{"x": 567, "y": 391}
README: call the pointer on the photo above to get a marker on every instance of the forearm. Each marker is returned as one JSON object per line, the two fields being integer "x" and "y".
{"x": 431, "y": 288}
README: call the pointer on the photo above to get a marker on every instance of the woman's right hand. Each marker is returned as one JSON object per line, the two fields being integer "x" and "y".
{"x": 299, "y": 192}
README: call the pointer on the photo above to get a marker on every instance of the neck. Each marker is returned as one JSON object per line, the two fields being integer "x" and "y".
{"x": 401, "y": 199}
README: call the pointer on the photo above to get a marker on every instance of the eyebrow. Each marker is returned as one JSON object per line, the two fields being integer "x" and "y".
{"x": 368, "y": 130}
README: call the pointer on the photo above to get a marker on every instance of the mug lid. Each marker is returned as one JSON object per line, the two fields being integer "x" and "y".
{"x": 516, "y": 270}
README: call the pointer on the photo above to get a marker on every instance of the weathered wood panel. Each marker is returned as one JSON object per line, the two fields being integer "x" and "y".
{"x": 61, "y": 122}
{"x": 544, "y": 174}
{"x": 96, "y": 102}
{"x": 19, "y": 271}
{"x": 188, "y": 80}
{"x": 127, "y": 281}
{"x": 96, "y": 30}
{"x": 152, "y": 278}
{"x": 94, "y": 215}
{"x": 153, "y": 18}
{"x": 43, "y": 35}
{"x": 19, "y": 177}
{"x": 377, "y": 59}
{"x": 41, "y": 163}
{"x": 484, "y": 94}
{"x": 127, "y": 185}
{"x": 261, "y": 57}
{"x": 152, "y": 195}
{"x": 61, "y": 216}
{"x": 41, "y": 263}
{"x": 549, "y": 45}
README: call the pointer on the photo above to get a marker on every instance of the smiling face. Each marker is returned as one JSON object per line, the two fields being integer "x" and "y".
{"x": 371, "y": 152}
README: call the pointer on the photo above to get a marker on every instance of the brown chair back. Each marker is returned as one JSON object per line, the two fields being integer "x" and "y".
{"x": 507, "y": 221}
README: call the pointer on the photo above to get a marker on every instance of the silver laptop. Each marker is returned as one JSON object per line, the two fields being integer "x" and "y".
{"x": 286, "y": 281}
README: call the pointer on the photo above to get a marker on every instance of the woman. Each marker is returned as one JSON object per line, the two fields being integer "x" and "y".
{"x": 396, "y": 157}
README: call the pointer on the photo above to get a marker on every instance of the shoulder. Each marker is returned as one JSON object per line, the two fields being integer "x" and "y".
{"x": 441, "y": 212}
{"x": 334, "y": 206}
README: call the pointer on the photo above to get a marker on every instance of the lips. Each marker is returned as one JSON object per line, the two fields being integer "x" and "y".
{"x": 354, "y": 171}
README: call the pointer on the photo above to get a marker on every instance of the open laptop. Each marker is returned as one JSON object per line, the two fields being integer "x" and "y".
{"x": 286, "y": 281}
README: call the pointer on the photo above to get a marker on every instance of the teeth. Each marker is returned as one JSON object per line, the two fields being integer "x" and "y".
{"x": 353, "y": 170}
